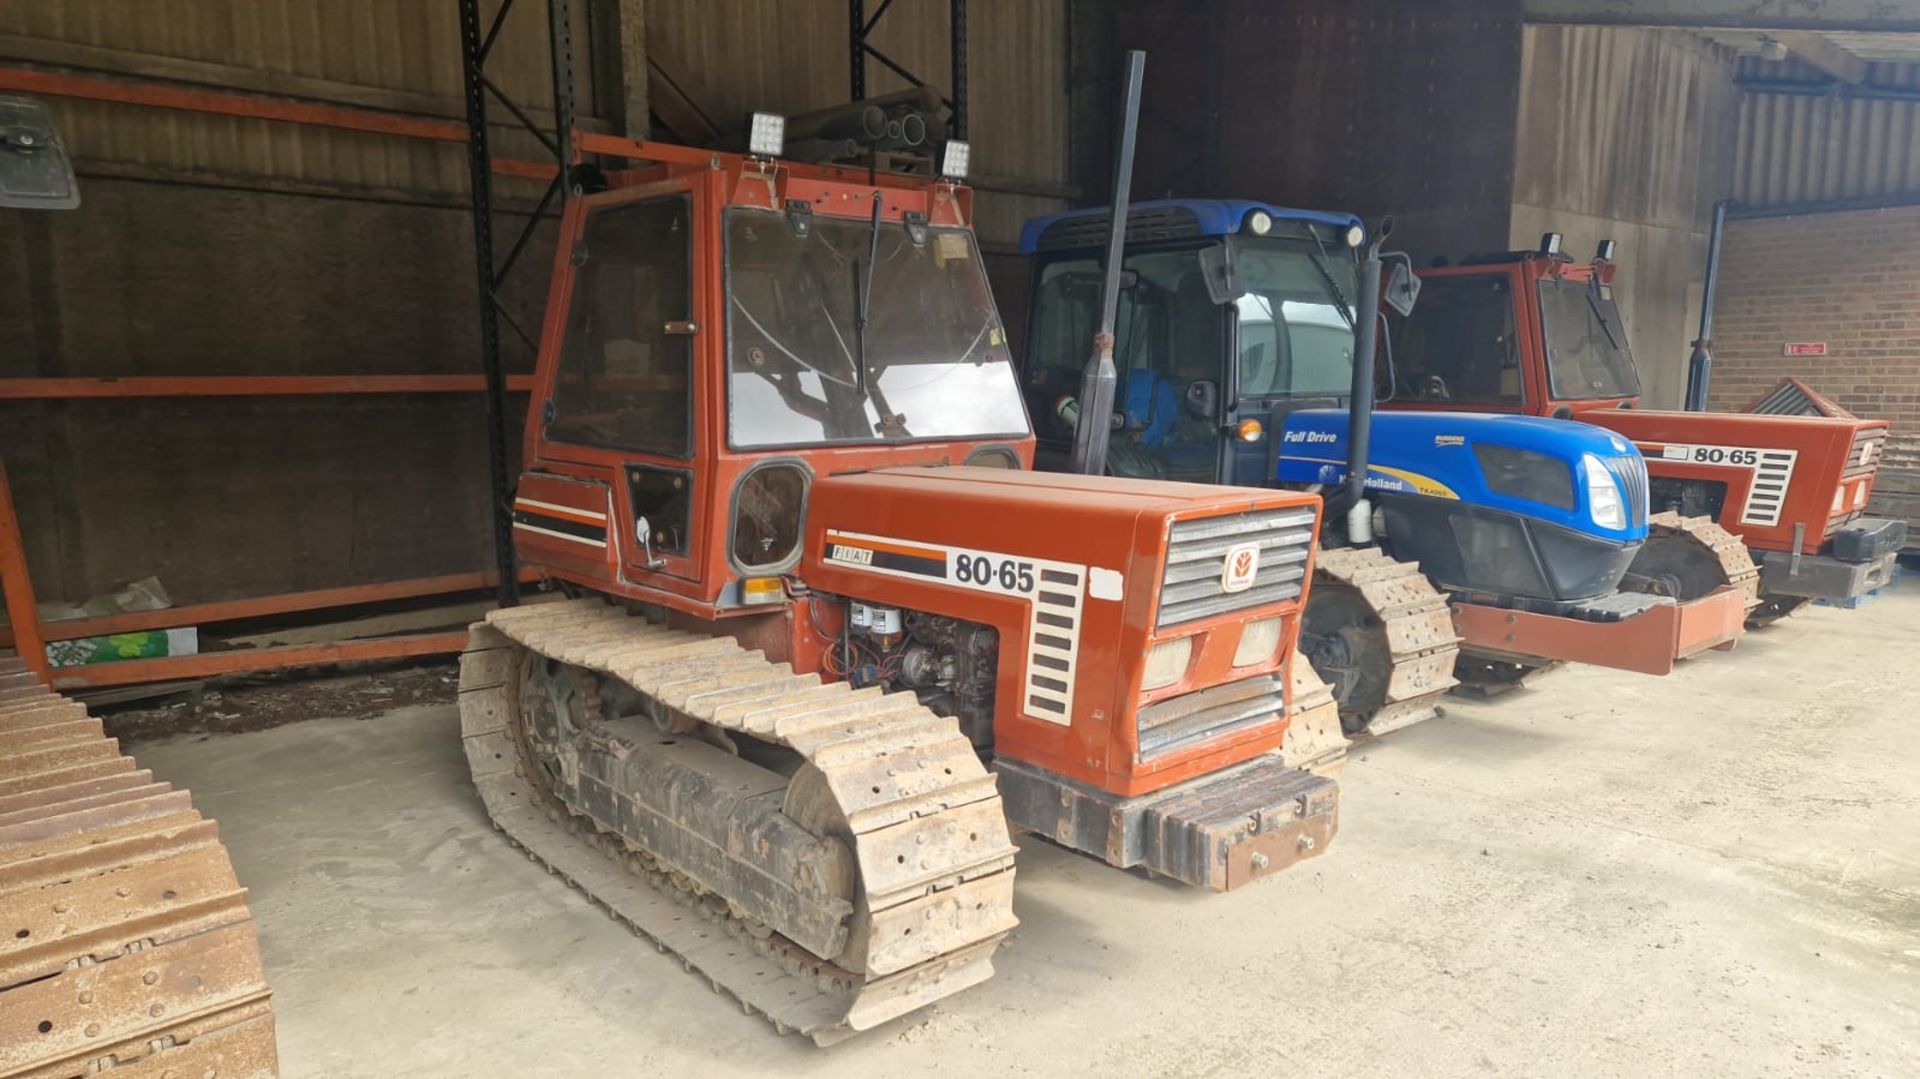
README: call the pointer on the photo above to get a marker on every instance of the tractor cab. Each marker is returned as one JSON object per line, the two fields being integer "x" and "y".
{"x": 1227, "y": 310}
{"x": 1521, "y": 331}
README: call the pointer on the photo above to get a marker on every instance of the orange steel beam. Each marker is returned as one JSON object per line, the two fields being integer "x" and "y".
{"x": 202, "y": 614}
{"x": 254, "y": 107}
{"x": 210, "y": 664}
{"x": 17, "y": 586}
{"x": 52, "y": 389}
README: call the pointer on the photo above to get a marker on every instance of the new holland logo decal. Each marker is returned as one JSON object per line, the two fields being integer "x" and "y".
{"x": 1239, "y": 568}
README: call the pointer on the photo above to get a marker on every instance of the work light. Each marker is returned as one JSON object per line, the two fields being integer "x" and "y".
{"x": 954, "y": 159}
{"x": 768, "y": 134}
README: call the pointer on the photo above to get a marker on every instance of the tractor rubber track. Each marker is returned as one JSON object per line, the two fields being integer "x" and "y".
{"x": 126, "y": 945}
{"x": 1736, "y": 564}
{"x": 1421, "y": 643}
{"x": 928, "y": 832}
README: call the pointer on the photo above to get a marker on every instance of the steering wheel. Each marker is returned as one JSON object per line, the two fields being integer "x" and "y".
{"x": 1434, "y": 388}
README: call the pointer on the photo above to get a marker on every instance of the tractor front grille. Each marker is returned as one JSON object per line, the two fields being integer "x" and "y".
{"x": 1862, "y": 460}
{"x": 1192, "y": 584}
{"x": 1191, "y": 718}
{"x": 1633, "y": 472}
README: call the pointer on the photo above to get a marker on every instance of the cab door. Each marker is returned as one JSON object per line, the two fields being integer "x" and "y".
{"x": 623, "y": 387}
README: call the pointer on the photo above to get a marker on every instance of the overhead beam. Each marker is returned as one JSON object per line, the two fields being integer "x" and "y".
{"x": 1883, "y": 16}
{"x": 1821, "y": 52}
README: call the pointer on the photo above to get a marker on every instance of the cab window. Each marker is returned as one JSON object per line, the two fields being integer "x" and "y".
{"x": 1459, "y": 346}
{"x": 623, "y": 381}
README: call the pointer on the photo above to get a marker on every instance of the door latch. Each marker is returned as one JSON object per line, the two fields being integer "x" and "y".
{"x": 643, "y": 532}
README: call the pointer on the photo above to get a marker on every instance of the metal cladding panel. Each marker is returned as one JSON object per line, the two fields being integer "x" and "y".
{"x": 1372, "y": 106}
{"x": 1627, "y": 125}
{"x": 1826, "y": 147}
{"x": 411, "y": 48}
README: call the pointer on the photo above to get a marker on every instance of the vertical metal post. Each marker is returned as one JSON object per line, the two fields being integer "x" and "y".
{"x": 17, "y": 586}
{"x": 474, "y": 45}
{"x": 1093, "y": 429}
{"x": 1700, "y": 363}
{"x": 957, "y": 38}
{"x": 857, "y": 51}
{"x": 560, "y": 41}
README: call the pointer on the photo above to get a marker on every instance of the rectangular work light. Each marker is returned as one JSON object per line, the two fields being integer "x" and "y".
{"x": 767, "y": 135}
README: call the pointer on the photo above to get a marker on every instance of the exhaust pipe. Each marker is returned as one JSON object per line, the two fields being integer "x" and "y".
{"x": 1360, "y": 405}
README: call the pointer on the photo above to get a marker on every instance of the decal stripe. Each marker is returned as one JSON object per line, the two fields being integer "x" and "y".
{"x": 544, "y": 524}
{"x": 553, "y": 509}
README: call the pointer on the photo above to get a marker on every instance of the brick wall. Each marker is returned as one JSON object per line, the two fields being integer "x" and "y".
{"x": 1851, "y": 280}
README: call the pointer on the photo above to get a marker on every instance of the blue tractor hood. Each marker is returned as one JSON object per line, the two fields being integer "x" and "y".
{"x": 1522, "y": 466}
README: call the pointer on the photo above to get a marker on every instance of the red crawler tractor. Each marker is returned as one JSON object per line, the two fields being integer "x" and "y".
{"x": 778, "y": 456}
{"x": 1535, "y": 332}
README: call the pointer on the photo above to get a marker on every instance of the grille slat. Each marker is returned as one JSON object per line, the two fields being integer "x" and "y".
{"x": 1191, "y": 581}
{"x": 1634, "y": 471}
{"x": 1191, "y": 718}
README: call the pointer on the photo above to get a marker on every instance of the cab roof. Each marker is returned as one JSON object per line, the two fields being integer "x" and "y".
{"x": 1163, "y": 219}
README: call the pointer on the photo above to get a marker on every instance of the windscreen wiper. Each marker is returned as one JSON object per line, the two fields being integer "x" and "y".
{"x": 864, "y": 284}
{"x": 1319, "y": 257}
{"x": 1593, "y": 301}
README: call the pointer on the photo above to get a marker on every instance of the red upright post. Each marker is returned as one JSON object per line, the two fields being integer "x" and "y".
{"x": 17, "y": 586}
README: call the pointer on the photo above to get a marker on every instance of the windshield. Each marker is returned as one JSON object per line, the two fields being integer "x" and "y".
{"x": 1587, "y": 355}
{"x": 1295, "y": 338}
{"x": 936, "y": 362}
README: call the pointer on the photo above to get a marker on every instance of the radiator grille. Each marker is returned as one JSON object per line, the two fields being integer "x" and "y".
{"x": 1191, "y": 718}
{"x": 1633, "y": 472}
{"x": 1192, "y": 584}
{"x": 1869, "y": 445}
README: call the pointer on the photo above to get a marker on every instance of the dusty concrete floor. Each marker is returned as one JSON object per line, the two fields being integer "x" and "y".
{"x": 1713, "y": 874}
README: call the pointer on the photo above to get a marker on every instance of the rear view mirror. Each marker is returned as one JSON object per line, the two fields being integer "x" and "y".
{"x": 1403, "y": 289}
{"x": 1203, "y": 399}
{"x": 1224, "y": 284}
{"x": 34, "y": 171}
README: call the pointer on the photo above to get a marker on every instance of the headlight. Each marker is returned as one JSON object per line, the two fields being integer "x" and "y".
{"x": 1603, "y": 495}
{"x": 1257, "y": 642}
{"x": 1167, "y": 662}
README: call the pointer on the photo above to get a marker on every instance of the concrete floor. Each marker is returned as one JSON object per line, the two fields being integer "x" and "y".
{"x": 1717, "y": 873}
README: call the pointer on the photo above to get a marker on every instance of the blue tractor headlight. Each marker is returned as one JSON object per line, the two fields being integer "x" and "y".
{"x": 1518, "y": 473}
{"x": 1609, "y": 509}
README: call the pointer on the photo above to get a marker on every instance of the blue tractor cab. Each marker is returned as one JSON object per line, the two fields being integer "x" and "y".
{"x": 1235, "y": 350}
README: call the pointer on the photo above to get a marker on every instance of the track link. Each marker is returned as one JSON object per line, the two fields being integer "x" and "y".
{"x": 126, "y": 945}
{"x": 923, "y": 817}
{"x": 1314, "y": 742}
{"x": 1416, "y": 642}
{"x": 1737, "y": 567}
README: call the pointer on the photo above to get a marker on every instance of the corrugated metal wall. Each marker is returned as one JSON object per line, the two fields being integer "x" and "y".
{"x": 412, "y": 48}
{"x": 1796, "y": 149}
{"x": 737, "y": 56}
{"x": 1370, "y": 106}
{"x": 200, "y": 250}
{"x": 1628, "y": 134}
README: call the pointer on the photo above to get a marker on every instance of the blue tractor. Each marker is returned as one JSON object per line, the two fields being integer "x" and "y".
{"x": 1243, "y": 355}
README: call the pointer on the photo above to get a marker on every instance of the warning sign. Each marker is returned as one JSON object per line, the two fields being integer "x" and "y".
{"x": 1806, "y": 348}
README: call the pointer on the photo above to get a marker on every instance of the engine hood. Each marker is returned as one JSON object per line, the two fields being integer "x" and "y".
{"x": 1437, "y": 455}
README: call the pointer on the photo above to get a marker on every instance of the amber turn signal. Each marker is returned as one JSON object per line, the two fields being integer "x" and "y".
{"x": 1251, "y": 431}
